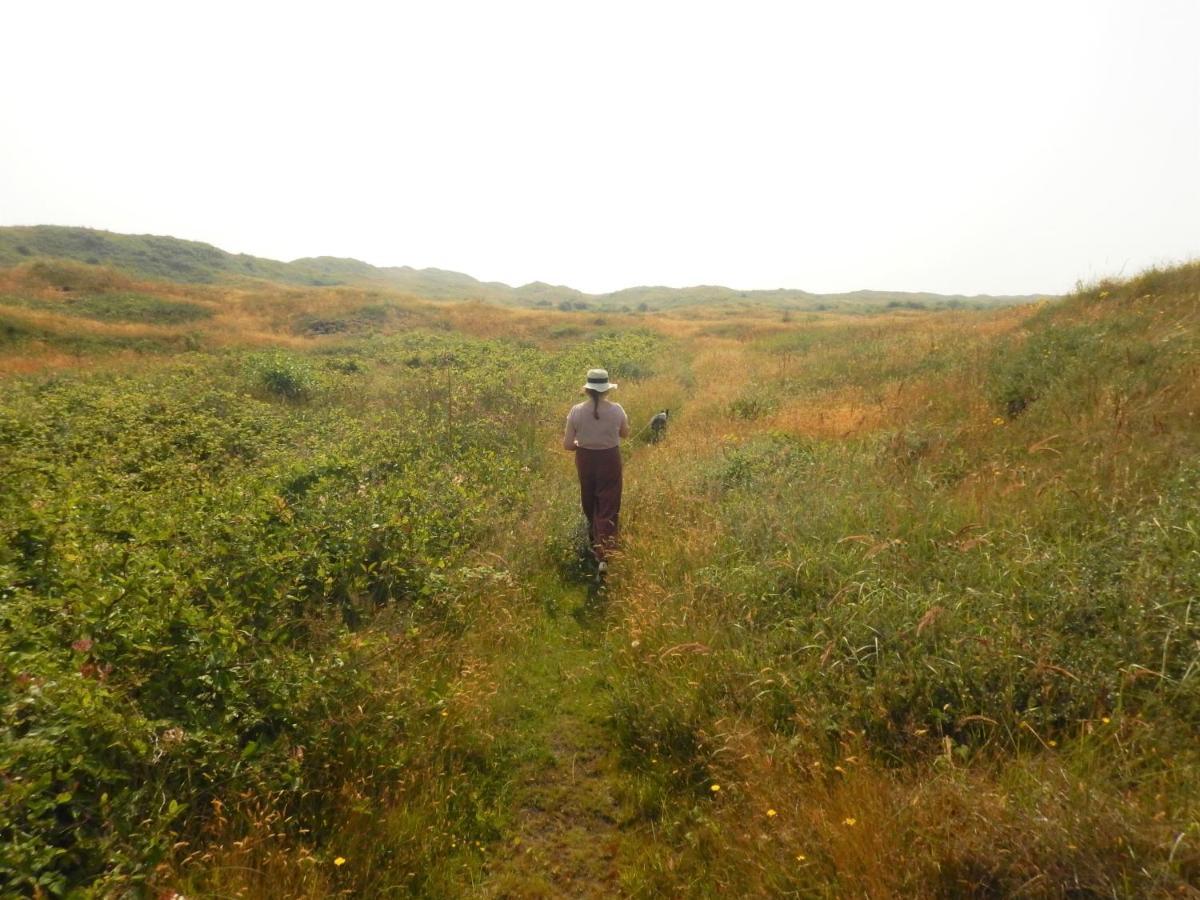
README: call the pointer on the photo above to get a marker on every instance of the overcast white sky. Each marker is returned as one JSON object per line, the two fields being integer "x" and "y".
{"x": 1004, "y": 147}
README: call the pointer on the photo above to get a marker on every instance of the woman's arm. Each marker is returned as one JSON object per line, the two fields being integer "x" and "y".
{"x": 624, "y": 431}
{"x": 569, "y": 435}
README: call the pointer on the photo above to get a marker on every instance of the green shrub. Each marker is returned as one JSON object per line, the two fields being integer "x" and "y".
{"x": 752, "y": 406}
{"x": 187, "y": 570}
{"x": 131, "y": 307}
{"x": 776, "y": 454}
{"x": 285, "y": 377}
{"x": 1025, "y": 372}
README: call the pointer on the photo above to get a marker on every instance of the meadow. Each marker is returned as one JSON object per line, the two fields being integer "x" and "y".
{"x": 291, "y": 598}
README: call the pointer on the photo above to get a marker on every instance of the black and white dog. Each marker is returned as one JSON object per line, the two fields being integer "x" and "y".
{"x": 658, "y": 426}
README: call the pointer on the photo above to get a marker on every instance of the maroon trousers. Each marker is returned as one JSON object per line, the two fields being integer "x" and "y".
{"x": 600, "y": 494}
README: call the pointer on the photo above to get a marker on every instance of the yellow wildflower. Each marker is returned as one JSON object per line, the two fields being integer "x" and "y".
{"x": 714, "y": 788}
{"x": 771, "y": 813}
{"x": 340, "y": 861}
{"x": 999, "y": 420}
{"x": 850, "y": 820}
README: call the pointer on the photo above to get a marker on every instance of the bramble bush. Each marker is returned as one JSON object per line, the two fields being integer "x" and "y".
{"x": 186, "y": 556}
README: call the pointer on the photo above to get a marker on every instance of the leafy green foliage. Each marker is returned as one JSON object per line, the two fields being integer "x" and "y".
{"x": 1050, "y": 356}
{"x": 186, "y": 563}
{"x": 284, "y": 376}
{"x": 754, "y": 404}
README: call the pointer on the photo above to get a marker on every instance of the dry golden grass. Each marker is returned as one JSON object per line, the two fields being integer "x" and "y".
{"x": 40, "y": 360}
{"x": 55, "y": 324}
{"x": 786, "y": 825}
{"x": 269, "y": 315}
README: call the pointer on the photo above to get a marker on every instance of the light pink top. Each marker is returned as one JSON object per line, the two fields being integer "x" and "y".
{"x": 586, "y": 431}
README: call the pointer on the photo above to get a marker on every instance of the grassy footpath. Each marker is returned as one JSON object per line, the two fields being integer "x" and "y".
{"x": 570, "y": 827}
{"x": 564, "y": 836}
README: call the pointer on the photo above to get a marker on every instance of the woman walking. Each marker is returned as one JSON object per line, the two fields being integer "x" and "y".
{"x": 594, "y": 431}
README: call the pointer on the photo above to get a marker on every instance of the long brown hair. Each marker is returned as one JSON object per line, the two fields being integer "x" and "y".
{"x": 596, "y": 396}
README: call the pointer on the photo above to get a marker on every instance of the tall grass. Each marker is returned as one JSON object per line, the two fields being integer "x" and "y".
{"x": 925, "y": 639}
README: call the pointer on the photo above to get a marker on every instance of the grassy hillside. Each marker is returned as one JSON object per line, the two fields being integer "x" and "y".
{"x": 165, "y": 258}
{"x": 172, "y": 259}
{"x": 291, "y": 600}
{"x": 920, "y": 600}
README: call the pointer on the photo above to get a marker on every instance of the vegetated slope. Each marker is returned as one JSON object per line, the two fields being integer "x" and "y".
{"x": 243, "y": 590}
{"x": 173, "y": 259}
{"x": 59, "y": 313}
{"x": 905, "y": 606}
{"x": 911, "y": 610}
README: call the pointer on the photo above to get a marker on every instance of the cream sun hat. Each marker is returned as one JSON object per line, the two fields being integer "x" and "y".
{"x": 597, "y": 380}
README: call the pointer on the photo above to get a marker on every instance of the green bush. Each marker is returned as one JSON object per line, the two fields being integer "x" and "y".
{"x": 752, "y": 406}
{"x": 186, "y": 567}
{"x": 1025, "y": 372}
{"x": 285, "y": 377}
{"x": 129, "y": 307}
